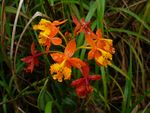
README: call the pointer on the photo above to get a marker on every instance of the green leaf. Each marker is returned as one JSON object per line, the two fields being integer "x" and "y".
{"x": 147, "y": 12}
{"x": 43, "y": 98}
{"x": 100, "y": 13}
{"x": 48, "y": 108}
{"x": 119, "y": 70}
{"x": 4, "y": 105}
{"x": 69, "y": 102}
{"x": 91, "y": 11}
{"x": 128, "y": 88}
{"x": 10, "y": 9}
{"x": 51, "y": 2}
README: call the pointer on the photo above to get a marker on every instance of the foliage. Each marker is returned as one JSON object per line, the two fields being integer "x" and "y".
{"x": 125, "y": 84}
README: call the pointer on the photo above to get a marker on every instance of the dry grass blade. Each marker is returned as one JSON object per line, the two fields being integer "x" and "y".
{"x": 146, "y": 107}
{"x": 3, "y": 34}
{"x": 37, "y": 14}
{"x": 14, "y": 28}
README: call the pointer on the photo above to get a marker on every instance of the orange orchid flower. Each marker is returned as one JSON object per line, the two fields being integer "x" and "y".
{"x": 82, "y": 85}
{"x": 82, "y": 26}
{"x": 32, "y": 60}
{"x": 102, "y": 49}
{"x": 48, "y": 32}
{"x": 64, "y": 62}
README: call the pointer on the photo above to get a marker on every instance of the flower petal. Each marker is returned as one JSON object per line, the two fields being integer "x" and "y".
{"x": 33, "y": 51}
{"x": 30, "y": 67}
{"x": 103, "y": 58}
{"x": 81, "y": 91}
{"x": 60, "y": 71}
{"x": 43, "y": 24}
{"x": 77, "y": 82}
{"x": 85, "y": 70}
{"x": 99, "y": 33}
{"x": 58, "y": 77}
{"x": 47, "y": 44}
{"x": 89, "y": 39}
{"x": 54, "y": 68}
{"x": 27, "y": 59}
{"x": 91, "y": 54}
{"x": 100, "y": 43}
{"x": 58, "y": 23}
{"x": 42, "y": 39}
{"x": 56, "y": 41}
{"x": 57, "y": 57}
{"x": 93, "y": 36}
{"x": 95, "y": 77}
{"x": 70, "y": 48}
{"x": 75, "y": 20}
{"x": 77, "y": 30}
{"x": 54, "y": 30}
{"x": 36, "y": 61}
{"x": 67, "y": 73}
{"x": 76, "y": 62}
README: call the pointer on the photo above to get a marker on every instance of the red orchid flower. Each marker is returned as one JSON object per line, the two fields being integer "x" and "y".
{"x": 32, "y": 60}
{"x": 82, "y": 85}
{"x": 64, "y": 62}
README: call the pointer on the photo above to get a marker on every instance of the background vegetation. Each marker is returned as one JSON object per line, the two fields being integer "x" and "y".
{"x": 125, "y": 85}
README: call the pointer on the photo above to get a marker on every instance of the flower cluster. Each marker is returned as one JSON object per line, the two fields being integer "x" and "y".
{"x": 101, "y": 50}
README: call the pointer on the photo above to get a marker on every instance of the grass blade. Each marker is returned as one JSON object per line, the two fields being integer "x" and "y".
{"x": 119, "y": 70}
{"x": 133, "y": 15}
{"x": 14, "y": 28}
{"x": 130, "y": 33}
{"x": 128, "y": 88}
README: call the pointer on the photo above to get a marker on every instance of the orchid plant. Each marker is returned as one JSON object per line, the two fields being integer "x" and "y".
{"x": 100, "y": 49}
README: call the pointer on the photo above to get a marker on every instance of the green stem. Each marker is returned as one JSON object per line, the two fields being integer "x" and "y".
{"x": 83, "y": 47}
{"x": 104, "y": 80}
{"x": 63, "y": 37}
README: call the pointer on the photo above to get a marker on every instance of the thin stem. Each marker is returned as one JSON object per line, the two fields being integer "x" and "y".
{"x": 63, "y": 37}
{"x": 83, "y": 47}
{"x": 46, "y": 52}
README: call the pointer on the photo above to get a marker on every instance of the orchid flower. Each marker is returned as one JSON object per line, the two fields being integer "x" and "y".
{"x": 82, "y": 26}
{"x": 102, "y": 49}
{"x": 48, "y": 32}
{"x": 31, "y": 60}
{"x": 82, "y": 85}
{"x": 64, "y": 62}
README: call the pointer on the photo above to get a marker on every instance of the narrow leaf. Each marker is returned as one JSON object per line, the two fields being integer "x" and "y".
{"x": 48, "y": 108}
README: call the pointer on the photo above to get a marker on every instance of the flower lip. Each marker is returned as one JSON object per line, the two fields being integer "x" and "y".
{"x": 60, "y": 71}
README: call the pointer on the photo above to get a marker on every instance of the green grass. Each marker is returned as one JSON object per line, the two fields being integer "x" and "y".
{"x": 124, "y": 86}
